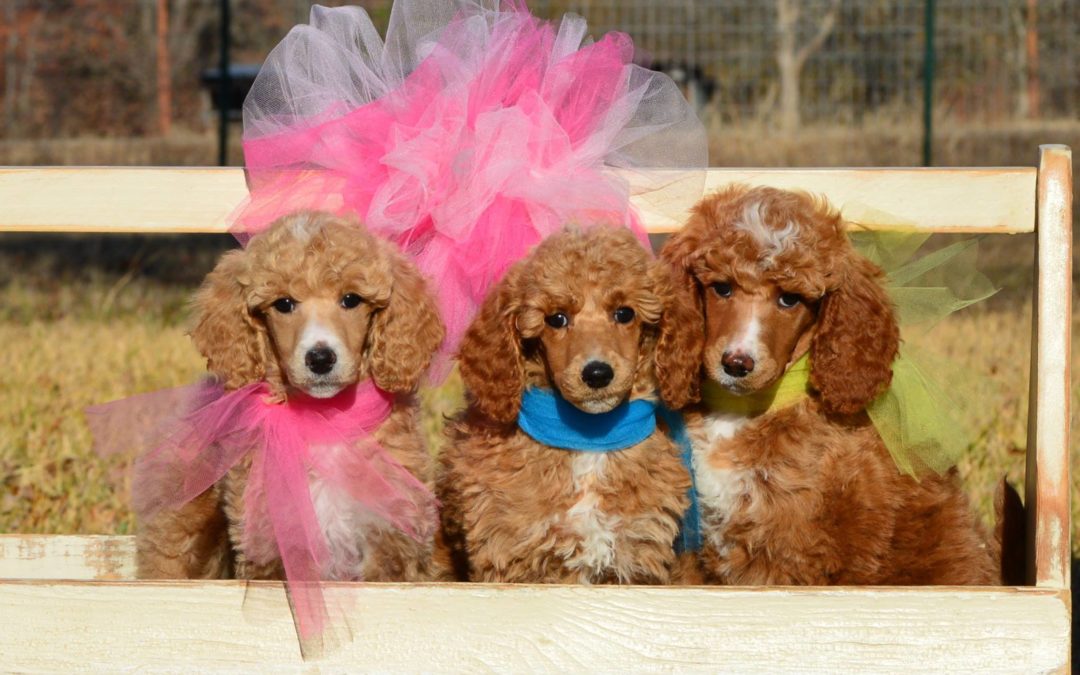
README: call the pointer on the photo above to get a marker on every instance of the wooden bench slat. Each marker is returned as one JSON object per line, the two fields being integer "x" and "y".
{"x": 58, "y": 626}
{"x": 1048, "y": 485}
{"x": 119, "y": 199}
{"x": 194, "y": 200}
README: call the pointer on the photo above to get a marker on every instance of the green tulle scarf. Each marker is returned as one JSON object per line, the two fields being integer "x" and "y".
{"x": 791, "y": 388}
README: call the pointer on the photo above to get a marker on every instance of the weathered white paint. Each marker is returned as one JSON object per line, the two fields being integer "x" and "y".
{"x": 126, "y": 199}
{"x": 39, "y": 556}
{"x": 1048, "y": 482}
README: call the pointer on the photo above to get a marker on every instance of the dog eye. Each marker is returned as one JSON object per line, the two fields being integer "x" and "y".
{"x": 788, "y": 300}
{"x": 557, "y": 320}
{"x": 284, "y": 305}
{"x": 624, "y": 315}
{"x": 351, "y": 300}
{"x": 722, "y": 288}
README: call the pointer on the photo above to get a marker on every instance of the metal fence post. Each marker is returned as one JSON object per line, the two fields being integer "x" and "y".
{"x": 224, "y": 87}
{"x": 929, "y": 58}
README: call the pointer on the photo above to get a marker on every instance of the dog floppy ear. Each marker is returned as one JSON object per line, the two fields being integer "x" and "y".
{"x": 681, "y": 341}
{"x": 856, "y": 340}
{"x": 225, "y": 333}
{"x": 405, "y": 333}
{"x": 490, "y": 360}
{"x": 679, "y": 354}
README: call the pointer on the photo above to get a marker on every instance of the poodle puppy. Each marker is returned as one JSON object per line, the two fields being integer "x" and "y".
{"x": 592, "y": 319}
{"x": 804, "y": 491}
{"x": 313, "y": 305}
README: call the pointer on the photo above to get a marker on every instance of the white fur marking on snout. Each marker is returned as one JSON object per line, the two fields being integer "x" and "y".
{"x": 330, "y": 383}
{"x": 748, "y": 341}
{"x": 772, "y": 242}
{"x": 596, "y": 552}
{"x": 315, "y": 335}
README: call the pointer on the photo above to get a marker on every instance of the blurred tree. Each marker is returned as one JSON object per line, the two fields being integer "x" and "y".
{"x": 791, "y": 56}
{"x": 164, "y": 74}
{"x": 23, "y": 24}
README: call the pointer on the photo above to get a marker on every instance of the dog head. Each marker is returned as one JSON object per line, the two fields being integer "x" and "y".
{"x": 775, "y": 277}
{"x": 315, "y": 304}
{"x": 588, "y": 314}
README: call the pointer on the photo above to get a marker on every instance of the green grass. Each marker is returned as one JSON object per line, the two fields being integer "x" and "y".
{"x": 76, "y": 334}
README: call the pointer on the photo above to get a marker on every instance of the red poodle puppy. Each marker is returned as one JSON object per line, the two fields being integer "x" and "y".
{"x": 557, "y": 471}
{"x": 796, "y": 487}
{"x": 314, "y": 310}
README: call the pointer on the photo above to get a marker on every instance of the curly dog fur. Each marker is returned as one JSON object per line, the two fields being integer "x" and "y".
{"x": 247, "y": 335}
{"x": 806, "y": 494}
{"x": 515, "y": 510}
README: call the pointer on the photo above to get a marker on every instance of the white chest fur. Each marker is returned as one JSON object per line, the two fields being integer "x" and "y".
{"x": 346, "y": 524}
{"x": 595, "y": 553}
{"x": 722, "y": 489}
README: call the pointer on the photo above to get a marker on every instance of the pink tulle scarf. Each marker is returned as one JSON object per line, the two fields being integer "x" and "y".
{"x": 289, "y": 444}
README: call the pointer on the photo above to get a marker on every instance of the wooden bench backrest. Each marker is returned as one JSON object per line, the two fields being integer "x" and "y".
{"x": 692, "y": 626}
{"x": 171, "y": 200}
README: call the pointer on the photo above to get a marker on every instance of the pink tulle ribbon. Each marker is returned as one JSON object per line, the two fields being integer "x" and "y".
{"x": 289, "y": 443}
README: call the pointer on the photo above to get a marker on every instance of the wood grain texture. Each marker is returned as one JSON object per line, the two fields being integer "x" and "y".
{"x": 85, "y": 557}
{"x": 119, "y": 199}
{"x": 942, "y": 200}
{"x": 171, "y": 200}
{"x": 200, "y": 626}
{"x": 1047, "y": 479}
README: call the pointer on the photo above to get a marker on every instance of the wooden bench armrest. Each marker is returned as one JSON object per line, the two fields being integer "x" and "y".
{"x": 1047, "y": 476}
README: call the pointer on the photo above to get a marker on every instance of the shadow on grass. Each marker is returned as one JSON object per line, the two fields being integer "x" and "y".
{"x": 165, "y": 258}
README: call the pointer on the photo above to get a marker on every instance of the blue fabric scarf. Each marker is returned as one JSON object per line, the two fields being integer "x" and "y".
{"x": 549, "y": 419}
{"x": 690, "y": 538}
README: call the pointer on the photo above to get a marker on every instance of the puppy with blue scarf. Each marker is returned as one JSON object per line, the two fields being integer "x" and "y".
{"x": 558, "y": 471}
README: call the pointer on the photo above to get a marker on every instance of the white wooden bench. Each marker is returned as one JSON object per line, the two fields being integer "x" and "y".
{"x": 70, "y": 602}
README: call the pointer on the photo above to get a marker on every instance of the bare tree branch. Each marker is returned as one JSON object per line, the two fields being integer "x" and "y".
{"x": 11, "y": 66}
{"x": 31, "y": 61}
{"x": 825, "y": 28}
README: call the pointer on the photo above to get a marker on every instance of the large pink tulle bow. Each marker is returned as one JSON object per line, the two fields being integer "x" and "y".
{"x": 290, "y": 444}
{"x": 468, "y": 136}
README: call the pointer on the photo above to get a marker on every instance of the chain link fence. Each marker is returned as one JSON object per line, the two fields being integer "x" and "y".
{"x": 792, "y": 62}
{"x": 88, "y": 67}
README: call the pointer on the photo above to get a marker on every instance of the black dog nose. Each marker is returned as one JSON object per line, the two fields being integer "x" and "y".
{"x": 597, "y": 374}
{"x": 320, "y": 360}
{"x": 737, "y": 365}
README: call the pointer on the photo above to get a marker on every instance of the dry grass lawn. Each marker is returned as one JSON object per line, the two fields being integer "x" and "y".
{"x": 76, "y": 335}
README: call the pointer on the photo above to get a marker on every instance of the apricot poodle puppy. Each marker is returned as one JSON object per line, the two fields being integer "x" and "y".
{"x": 805, "y": 492}
{"x": 311, "y": 306}
{"x": 592, "y": 319}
